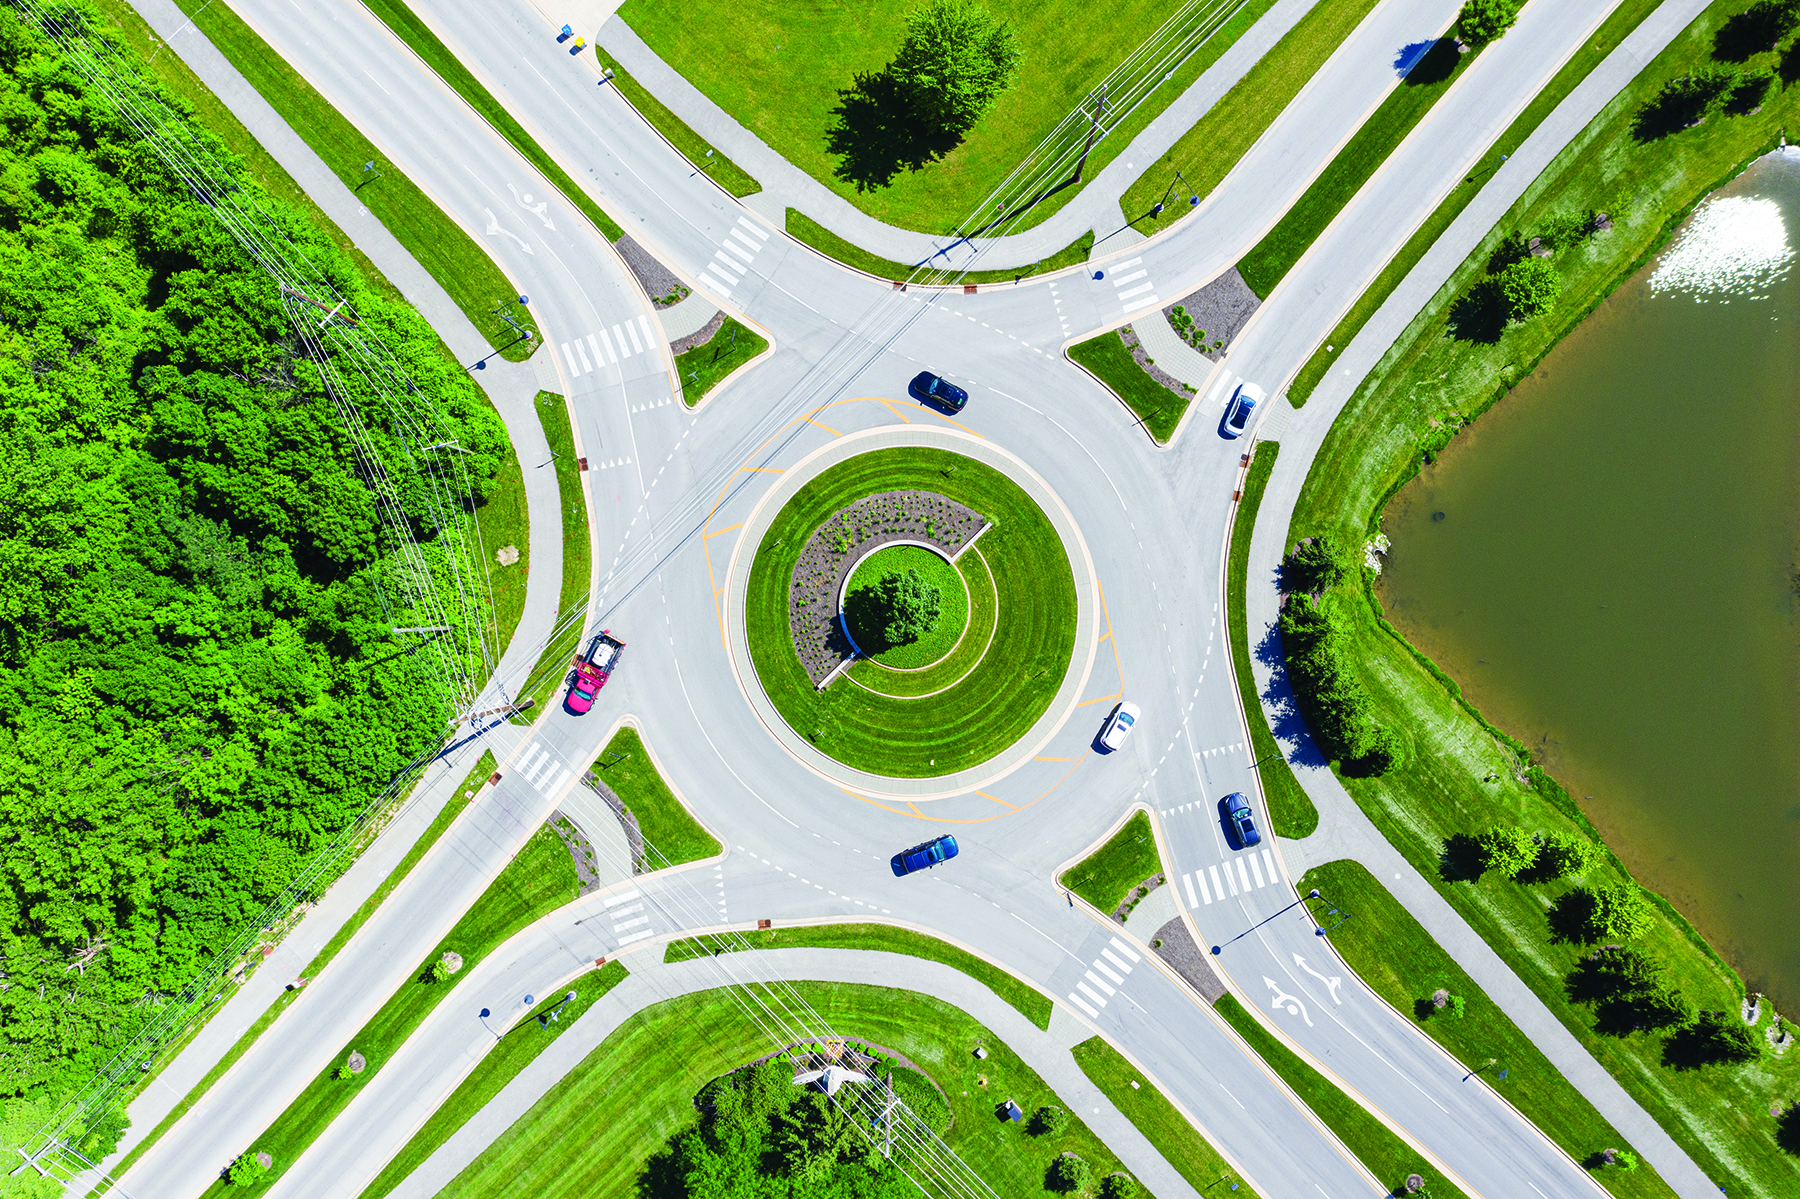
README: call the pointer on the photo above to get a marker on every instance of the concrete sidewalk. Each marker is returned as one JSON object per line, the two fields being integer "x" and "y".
{"x": 1096, "y": 207}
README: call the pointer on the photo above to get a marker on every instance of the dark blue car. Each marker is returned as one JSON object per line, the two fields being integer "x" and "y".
{"x": 938, "y": 392}
{"x": 921, "y": 857}
{"x": 1236, "y": 809}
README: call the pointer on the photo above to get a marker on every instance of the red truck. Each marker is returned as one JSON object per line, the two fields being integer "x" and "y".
{"x": 593, "y": 669}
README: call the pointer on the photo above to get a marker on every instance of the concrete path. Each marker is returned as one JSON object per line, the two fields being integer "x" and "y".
{"x": 1096, "y": 207}
{"x": 1344, "y": 830}
{"x": 652, "y": 982}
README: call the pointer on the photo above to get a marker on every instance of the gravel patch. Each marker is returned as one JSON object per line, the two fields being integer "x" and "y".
{"x": 700, "y": 336}
{"x": 1220, "y": 309}
{"x": 1178, "y": 950}
{"x": 844, "y": 538}
{"x": 658, "y": 281}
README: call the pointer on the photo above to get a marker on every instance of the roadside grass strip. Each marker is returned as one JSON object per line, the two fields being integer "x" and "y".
{"x": 411, "y": 29}
{"x": 1625, "y": 18}
{"x": 1432, "y": 381}
{"x": 1031, "y": 1003}
{"x": 603, "y": 1128}
{"x": 706, "y": 366}
{"x": 1291, "y": 809}
{"x": 1399, "y": 961}
{"x": 552, "y": 666}
{"x": 1269, "y": 261}
{"x": 1158, "y": 408}
{"x": 505, "y": 524}
{"x": 517, "y": 1048}
{"x": 812, "y": 83}
{"x": 995, "y": 703}
{"x": 540, "y": 879}
{"x": 1206, "y": 153}
{"x": 807, "y": 231}
{"x": 1105, "y": 877}
{"x": 1162, "y": 1124}
{"x": 697, "y": 150}
{"x": 1374, "y": 1144}
{"x": 669, "y": 829}
{"x": 459, "y": 800}
{"x": 460, "y": 266}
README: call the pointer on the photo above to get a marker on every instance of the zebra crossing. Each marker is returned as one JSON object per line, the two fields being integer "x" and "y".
{"x": 1092, "y": 990}
{"x": 731, "y": 262}
{"x": 630, "y": 920}
{"x": 1131, "y": 285}
{"x": 543, "y": 769}
{"x": 608, "y": 350}
{"x": 1225, "y": 884}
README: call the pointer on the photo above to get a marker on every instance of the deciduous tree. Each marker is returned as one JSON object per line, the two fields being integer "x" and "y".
{"x": 956, "y": 61}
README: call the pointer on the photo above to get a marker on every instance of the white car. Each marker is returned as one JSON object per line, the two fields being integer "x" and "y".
{"x": 1237, "y": 413}
{"x": 1118, "y": 726}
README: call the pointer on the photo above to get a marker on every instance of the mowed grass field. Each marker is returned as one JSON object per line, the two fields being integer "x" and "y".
{"x": 997, "y": 702}
{"x": 782, "y": 68}
{"x": 593, "y": 1133}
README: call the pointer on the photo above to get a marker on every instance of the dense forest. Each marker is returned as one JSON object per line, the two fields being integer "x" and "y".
{"x": 198, "y": 685}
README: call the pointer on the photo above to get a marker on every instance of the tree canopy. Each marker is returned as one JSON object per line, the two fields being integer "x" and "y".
{"x": 198, "y": 687}
{"x": 1484, "y": 21}
{"x": 956, "y": 61}
{"x": 912, "y": 605}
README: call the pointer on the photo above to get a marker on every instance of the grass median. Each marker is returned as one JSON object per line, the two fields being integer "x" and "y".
{"x": 1031, "y": 1003}
{"x": 552, "y": 667}
{"x": 1433, "y": 380}
{"x": 804, "y": 229}
{"x": 671, "y": 833}
{"x": 1156, "y": 407}
{"x": 1105, "y": 877}
{"x": 706, "y": 366}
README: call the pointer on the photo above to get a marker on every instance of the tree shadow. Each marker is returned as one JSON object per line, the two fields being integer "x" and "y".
{"x": 1460, "y": 860}
{"x": 1571, "y": 918}
{"x": 1479, "y": 314}
{"x": 1787, "y": 1132}
{"x": 1788, "y": 69}
{"x": 1754, "y": 31}
{"x": 1681, "y": 104}
{"x": 1285, "y": 721}
{"x": 1410, "y": 55}
{"x": 866, "y": 618}
{"x": 1695, "y": 1046}
{"x": 877, "y": 136}
{"x": 1749, "y": 94}
{"x": 1438, "y": 64}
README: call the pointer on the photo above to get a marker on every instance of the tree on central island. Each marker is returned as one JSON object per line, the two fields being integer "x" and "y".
{"x": 911, "y": 605}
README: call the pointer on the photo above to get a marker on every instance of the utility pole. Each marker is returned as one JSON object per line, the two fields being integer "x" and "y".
{"x": 1093, "y": 131}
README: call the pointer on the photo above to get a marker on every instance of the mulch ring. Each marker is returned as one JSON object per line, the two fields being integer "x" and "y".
{"x": 700, "y": 336}
{"x": 1220, "y": 310}
{"x": 845, "y": 537}
{"x": 1135, "y": 348}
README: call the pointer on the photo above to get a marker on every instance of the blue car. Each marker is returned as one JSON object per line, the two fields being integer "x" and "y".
{"x": 1237, "y": 413}
{"x": 1236, "y": 808}
{"x": 922, "y": 857}
{"x": 938, "y": 392}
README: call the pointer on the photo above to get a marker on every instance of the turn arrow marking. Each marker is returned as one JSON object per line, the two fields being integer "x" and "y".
{"x": 1283, "y": 999}
{"x": 1331, "y": 984}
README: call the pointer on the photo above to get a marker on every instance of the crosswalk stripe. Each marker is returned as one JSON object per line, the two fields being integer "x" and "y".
{"x": 551, "y": 788}
{"x": 1118, "y": 962}
{"x": 1204, "y": 893}
{"x": 1243, "y": 874}
{"x": 1256, "y": 869}
{"x": 611, "y": 358}
{"x": 1269, "y": 860}
{"x": 537, "y": 763}
{"x": 599, "y": 358}
{"x": 636, "y": 346}
{"x": 726, "y": 269}
{"x": 1122, "y": 280}
{"x": 622, "y": 897}
{"x": 570, "y": 356}
{"x": 1081, "y": 1003}
{"x": 1219, "y": 887}
{"x": 1095, "y": 979}
{"x": 1125, "y": 949}
{"x": 581, "y": 352}
{"x": 624, "y": 941}
{"x": 1138, "y": 290}
{"x": 715, "y": 284}
{"x": 634, "y": 908}
{"x": 644, "y": 324}
{"x": 1188, "y": 881}
{"x": 622, "y": 925}
{"x": 1090, "y": 993}
{"x": 1119, "y": 266}
{"x": 1101, "y": 967}
{"x": 728, "y": 244}
{"x": 619, "y": 336}
{"x": 746, "y": 223}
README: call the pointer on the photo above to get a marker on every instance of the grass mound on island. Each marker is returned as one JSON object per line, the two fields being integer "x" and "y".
{"x": 994, "y": 704}
{"x": 863, "y": 607}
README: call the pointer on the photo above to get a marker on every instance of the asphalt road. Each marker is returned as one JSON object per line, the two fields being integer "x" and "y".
{"x": 667, "y": 488}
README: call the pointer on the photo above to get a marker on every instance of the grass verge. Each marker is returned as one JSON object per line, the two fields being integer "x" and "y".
{"x": 1400, "y": 962}
{"x": 1625, "y": 18}
{"x": 809, "y": 232}
{"x": 1269, "y": 261}
{"x": 810, "y": 81}
{"x": 503, "y": 522}
{"x": 1157, "y": 408}
{"x": 458, "y": 801}
{"x": 1458, "y": 773}
{"x": 517, "y": 1049}
{"x": 1162, "y": 1124}
{"x": 409, "y": 28}
{"x": 1291, "y": 810}
{"x": 1031, "y": 1003}
{"x": 696, "y": 149}
{"x": 1375, "y": 1145}
{"x": 540, "y": 879}
{"x": 1105, "y": 877}
{"x": 997, "y": 702}
{"x": 1206, "y": 153}
{"x": 571, "y": 605}
{"x": 706, "y": 366}
{"x": 596, "y": 1132}
{"x": 460, "y": 266}
{"x": 671, "y": 834}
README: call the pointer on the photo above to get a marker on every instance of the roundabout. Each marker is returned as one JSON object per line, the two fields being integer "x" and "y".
{"x": 975, "y": 690}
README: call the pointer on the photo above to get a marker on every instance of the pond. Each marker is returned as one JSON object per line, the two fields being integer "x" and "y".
{"x": 1609, "y": 564}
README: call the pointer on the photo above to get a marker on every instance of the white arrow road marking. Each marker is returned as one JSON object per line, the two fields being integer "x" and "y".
{"x": 1283, "y": 999}
{"x": 494, "y": 227}
{"x": 1331, "y": 984}
{"x": 538, "y": 210}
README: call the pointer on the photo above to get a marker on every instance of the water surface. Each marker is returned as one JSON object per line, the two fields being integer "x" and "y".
{"x": 1609, "y": 563}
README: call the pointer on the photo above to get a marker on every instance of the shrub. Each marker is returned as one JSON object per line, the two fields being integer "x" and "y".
{"x": 1563, "y": 854}
{"x": 1506, "y": 850}
{"x": 1484, "y": 21}
{"x": 1336, "y": 706}
{"x": 1621, "y": 911}
{"x": 1529, "y": 287}
{"x": 439, "y": 971}
{"x": 1316, "y": 565}
{"x": 1119, "y": 1186}
{"x": 1069, "y": 1173}
{"x": 341, "y": 1073}
{"x": 1622, "y": 1160}
{"x": 245, "y": 1170}
{"x": 1049, "y": 1121}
